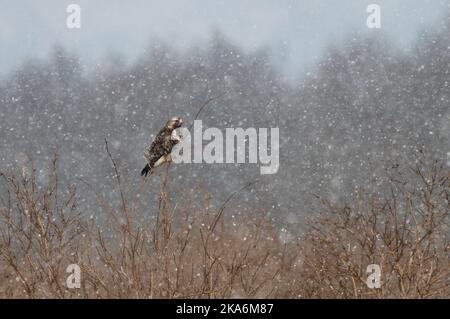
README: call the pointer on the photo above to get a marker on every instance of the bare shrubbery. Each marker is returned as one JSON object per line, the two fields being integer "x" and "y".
{"x": 40, "y": 235}
{"x": 400, "y": 222}
{"x": 402, "y": 225}
{"x": 186, "y": 252}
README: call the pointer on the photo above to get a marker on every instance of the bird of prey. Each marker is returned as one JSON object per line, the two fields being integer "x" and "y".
{"x": 160, "y": 149}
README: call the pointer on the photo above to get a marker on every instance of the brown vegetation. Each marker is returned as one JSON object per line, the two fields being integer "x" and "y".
{"x": 400, "y": 223}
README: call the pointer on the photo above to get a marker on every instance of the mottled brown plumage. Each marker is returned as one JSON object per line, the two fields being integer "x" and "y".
{"x": 160, "y": 149}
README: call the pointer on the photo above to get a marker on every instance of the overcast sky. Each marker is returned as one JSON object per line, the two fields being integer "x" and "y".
{"x": 296, "y": 31}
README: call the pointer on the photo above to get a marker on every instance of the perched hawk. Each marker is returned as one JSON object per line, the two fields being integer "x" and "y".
{"x": 159, "y": 151}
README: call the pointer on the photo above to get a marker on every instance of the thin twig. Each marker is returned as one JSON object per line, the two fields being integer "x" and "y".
{"x": 119, "y": 184}
{"x": 204, "y": 105}
{"x": 222, "y": 207}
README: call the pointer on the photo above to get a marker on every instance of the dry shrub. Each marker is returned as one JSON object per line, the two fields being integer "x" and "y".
{"x": 185, "y": 253}
{"x": 206, "y": 252}
{"x": 401, "y": 224}
{"x": 40, "y": 235}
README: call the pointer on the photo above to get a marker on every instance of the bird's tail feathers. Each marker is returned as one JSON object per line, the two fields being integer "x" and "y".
{"x": 145, "y": 171}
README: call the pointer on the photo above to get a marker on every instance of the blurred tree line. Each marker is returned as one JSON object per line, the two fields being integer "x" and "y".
{"x": 364, "y": 105}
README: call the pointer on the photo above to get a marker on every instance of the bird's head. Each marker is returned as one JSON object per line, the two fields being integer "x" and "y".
{"x": 174, "y": 122}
